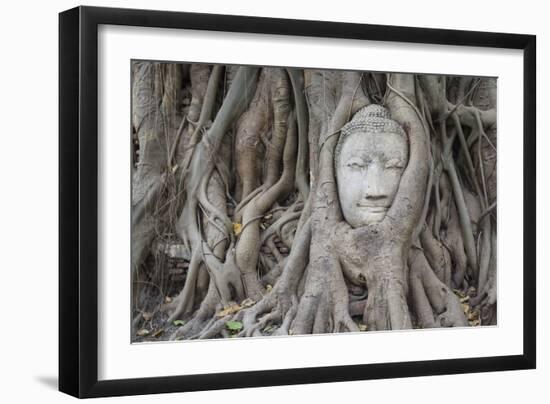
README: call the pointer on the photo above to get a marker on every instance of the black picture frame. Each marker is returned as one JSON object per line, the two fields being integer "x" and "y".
{"x": 78, "y": 200}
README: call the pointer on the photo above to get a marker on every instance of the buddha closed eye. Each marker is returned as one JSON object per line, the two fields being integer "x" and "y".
{"x": 357, "y": 164}
{"x": 371, "y": 156}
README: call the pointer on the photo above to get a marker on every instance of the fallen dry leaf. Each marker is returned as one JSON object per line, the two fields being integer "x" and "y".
{"x": 473, "y": 315}
{"x": 157, "y": 333}
{"x": 143, "y": 332}
{"x": 464, "y": 299}
{"x": 231, "y": 309}
{"x": 248, "y": 302}
{"x": 459, "y": 293}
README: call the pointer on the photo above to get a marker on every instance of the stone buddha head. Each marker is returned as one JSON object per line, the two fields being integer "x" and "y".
{"x": 370, "y": 157}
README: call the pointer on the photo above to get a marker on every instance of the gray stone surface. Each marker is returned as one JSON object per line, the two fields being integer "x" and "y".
{"x": 371, "y": 156}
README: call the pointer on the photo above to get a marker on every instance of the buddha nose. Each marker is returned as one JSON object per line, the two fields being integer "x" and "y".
{"x": 374, "y": 186}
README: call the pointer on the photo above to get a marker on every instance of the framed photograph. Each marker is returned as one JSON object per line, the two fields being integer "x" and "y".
{"x": 251, "y": 201}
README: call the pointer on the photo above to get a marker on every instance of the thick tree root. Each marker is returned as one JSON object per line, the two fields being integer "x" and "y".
{"x": 324, "y": 306}
{"x": 201, "y": 318}
{"x": 434, "y": 303}
{"x": 486, "y": 299}
{"x": 281, "y": 303}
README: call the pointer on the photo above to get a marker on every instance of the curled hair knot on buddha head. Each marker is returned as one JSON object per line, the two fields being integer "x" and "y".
{"x": 373, "y": 118}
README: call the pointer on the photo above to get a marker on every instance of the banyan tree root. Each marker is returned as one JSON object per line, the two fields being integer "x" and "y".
{"x": 435, "y": 303}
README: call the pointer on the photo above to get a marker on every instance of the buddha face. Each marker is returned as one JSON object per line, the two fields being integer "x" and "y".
{"x": 368, "y": 172}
